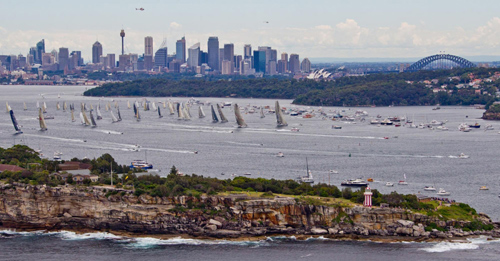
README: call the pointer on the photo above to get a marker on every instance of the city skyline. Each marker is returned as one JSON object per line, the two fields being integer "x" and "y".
{"x": 387, "y": 29}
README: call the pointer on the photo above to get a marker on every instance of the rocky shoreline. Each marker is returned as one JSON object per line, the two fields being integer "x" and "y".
{"x": 233, "y": 217}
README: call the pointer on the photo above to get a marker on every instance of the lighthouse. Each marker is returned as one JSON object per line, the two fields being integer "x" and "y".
{"x": 368, "y": 198}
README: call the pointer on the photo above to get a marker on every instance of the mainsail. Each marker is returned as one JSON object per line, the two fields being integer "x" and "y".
{"x": 85, "y": 119}
{"x": 119, "y": 115}
{"x": 72, "y": 115}
{"x": 159, "y": 112}
{"x": 98, "y": 112}
{"x": 239, "y": 119}
{"x": 153, "y": 106}
{"x": 171, "y": 108}
{"x": 114, "y": 119}
{"x": 25, "y": 107}
{"x": 201, "y": 113}
{"x": 58, "y": 107}
{"x": 93, "y": 123}
{"x": 14, "y": 121}
{"x": 41, "y": 120}
{"x": 279, "y": 116}
{"x": 44, "y": 107}
{"x": 128, "y": 105}
{"x": 7, "y": 109}
{"x": 187, "y": 115}
{"x": 262, "y": 112}
{"x": 214, "y": 115}
{"x": 222, "y": 117}
{"x": 180, "y": 114}
{"x": 65, "y": 107}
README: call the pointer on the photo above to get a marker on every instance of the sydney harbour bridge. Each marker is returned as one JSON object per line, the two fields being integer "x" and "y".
{"x": 440, "y": 61}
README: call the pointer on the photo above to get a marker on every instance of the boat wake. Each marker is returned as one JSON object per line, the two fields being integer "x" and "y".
{"x": 109, "y": 132}
{"x": 470, "y": 244}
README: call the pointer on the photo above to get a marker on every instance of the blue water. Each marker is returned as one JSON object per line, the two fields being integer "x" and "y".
{"x": 223, "y": 149}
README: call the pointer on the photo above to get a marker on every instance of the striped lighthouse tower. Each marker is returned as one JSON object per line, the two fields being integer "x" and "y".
{"x": 368, "y": 198}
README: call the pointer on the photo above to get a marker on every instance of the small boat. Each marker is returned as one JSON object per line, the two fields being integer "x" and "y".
{"x": 369, "y": 180}
{"x": 463, "y": 156}
{"x": 201, "y": 113}
{"x": 389, "y": 184}
{"x": 429, "y": 188}
{"x": 464, "y": 127}
{"x": 354, "y": 183}
{"x": 402, "y": 182}
{"x": 279, "y": 116}
{"x": 443, "y": 192}
{"x": 386, "y": 122}
{"x": 441, "y": 128}
{"x": 483, "y": 188}
{"x": 280, "y": 155}
{"x": 336, "y": 127}
{"x": 295, "y": 129}
{"x": 17, "y": 127}
{"x": 214, "y": 115}
{"x": 41, "y": 120}
{"x": 239, "y": 119}
{"x": 374, "y": 121}
{"x": 476, "y": 125}
{"x": 308, "y": 178}
{"x": 489, "y": 127}
{"x": 140, "y": 164}
{"x": 56, "y": 157}
{"x": 223, "y": 118}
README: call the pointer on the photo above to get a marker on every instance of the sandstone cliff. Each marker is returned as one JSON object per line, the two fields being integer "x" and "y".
{"x": 40, "y": 207}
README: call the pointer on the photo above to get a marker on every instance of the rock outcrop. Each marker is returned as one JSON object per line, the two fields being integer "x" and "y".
{"x": 40, "y": 207}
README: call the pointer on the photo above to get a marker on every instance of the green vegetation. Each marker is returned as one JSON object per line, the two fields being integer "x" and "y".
{"x": 376, "y": 89}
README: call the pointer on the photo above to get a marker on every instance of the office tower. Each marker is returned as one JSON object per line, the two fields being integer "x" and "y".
{"x": 245, "y": 67}
{"x": 284, "y": 58}
{"x": 63, "y": 58}
{"x": 111, "y": 60}
{"x": 229, "y": 55}
{"x": 180, "y": 50}
{"x": 237, "y": 61}
{"x": 213, "y": 53}
{"x": 55, "y": 55}
{"x": 282, "y": 66}
{"x": 32, "y": 52}
{"x": 47, "y": 59}
{"x": 40, "y": 49}
{"x": 267, "y": 51}
{"x": 148, "y": 45}
{"x": 259, "y": 61}
{"x": 294, "y": 63}
{"x": 203, "y": 57}
{"x": 161, "y": 57}
{"x": 227, "y": 67}
{"x": 221, "y": 58}
{"x": 124, "y": 62}
{"x": 247, "y": 51}
{"x": 104, "y": 61}
{"x": 148, "y": 62}
{"x": 305, "y": 66}
{"x": 96, "y": 52}
{"x": 78, "y": 56}
{"x": 73, "y": 61}
{"x": 194, "y": 56}
{"x": 272, "y": 68}
{"x": 22, "y": 61}
{"x": 122, "y": 35}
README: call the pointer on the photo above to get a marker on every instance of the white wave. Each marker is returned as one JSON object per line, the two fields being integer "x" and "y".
{"x": 470, "y": 244}
{"x": 68, "y": 235}
{"x": 148, "y": 242}
{"x": 110, "y": 132}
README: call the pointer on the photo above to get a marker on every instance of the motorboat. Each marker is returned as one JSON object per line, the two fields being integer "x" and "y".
{"x": 441, "y": 128}
{"x": 336, "y": 127}
{"x": 464, "y": 127}
{"x": 402, "y": 182}
{"x": 429, "y": 188}
{"x": 489, "y": 127}
{"x": 369, "y": 180}
{"x": 140, "y": 164}
{"x": 386, "y": 122}
{"x": 354, "y": 183}
{"x": 295, "y": 129}
{"x": 280, "y": 155}
{"x": 463, "y": 156}
{"x": 389, "y": 184}
{"x": 483, "y": 188}
{"x": 374, "y": 121}
{"x": 56, "y": 157}
{"x": 436, "y": 123}
{"x": 476, "y": 125}
{"x": 443, "y": 192}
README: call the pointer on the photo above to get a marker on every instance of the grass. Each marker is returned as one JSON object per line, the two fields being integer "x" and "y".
{"x": 313, "y": 200}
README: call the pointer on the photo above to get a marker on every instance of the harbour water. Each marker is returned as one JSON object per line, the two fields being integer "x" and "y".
{"x": 384, "y": 153}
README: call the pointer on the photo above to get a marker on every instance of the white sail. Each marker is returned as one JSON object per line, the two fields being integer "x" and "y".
{"x": 98, "y": 112}
{"x": 85, "y": 118}
{"x": 239, "y": 118}
{"x": 116, "y": 104}
{"x": 91, "y": 107}
{"x": 153, "y": 106}
{"x": 65, "y": 106}
{"x": 201, "y": 113}
{"x": 214, "y": 115}
{"x": 7, "y": 107}
{"x": 37, "y": 104}
{"x": 186, "y": 113}
{"x": 262, "y": 112}
{"x": 41, "y": 120}
{"x": 113, "y": 118}
{"x": 164, "y": 105}
{"x": 25, "y": 107}
{"x": 58, "y": 107}
{"x": 279, "y": 116}
{"x": 171, "y": 108}
{"x": 187, "y": 110}
{"x": 73, "y": 115}
{"x": 92, "y": 120}
{"x": 81, "y": 118}
{"x": 180, "y": 114}
{"x": 222, "y": 117}
{"x": 44, "y": 107}
{"x": 128, "y": 105}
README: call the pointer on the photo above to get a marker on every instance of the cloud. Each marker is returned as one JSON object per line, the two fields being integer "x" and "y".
{"x": 175, "y": 26}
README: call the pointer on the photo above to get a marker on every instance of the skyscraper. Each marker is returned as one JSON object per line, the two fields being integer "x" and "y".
{"x": 259, "y": 61}
{"x": 305, "y": 66}
{"x": 213, "y": 53}
{"x": 247, "y": 51}
{"x": 63, "y": 58}
{"x": 40, "y": 49}
{"x": 111, "y": 60}
{"x": 294, "y": 63}
{"x": 284, "y": 58}
{"x": 229, "y": 55}
{"x": 148, "y": 45}
{"x": 161, "y": 57}
{"x": 194, "y": 56}
{"x": 96, "y": 52}
{"x": 180, "y": 50}
{"x": 78, "y": 55}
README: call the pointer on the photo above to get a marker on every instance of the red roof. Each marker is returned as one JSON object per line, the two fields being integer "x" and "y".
{"x": 13, "y": 168}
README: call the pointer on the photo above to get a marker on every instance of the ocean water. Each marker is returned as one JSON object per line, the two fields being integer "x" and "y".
{"x": 425, "y": 157}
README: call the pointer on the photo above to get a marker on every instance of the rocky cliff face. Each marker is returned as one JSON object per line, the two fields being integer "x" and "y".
{"x": 40, "y": 207}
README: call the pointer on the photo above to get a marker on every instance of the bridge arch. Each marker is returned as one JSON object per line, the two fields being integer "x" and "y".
{"x": 422, "y": 63}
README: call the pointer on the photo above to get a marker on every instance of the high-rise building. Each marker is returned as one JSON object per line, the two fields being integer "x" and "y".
{"x": 96, "y": 52}
{"x": 259, "y": 61}
{"x": 213, "y": 53}
{"x": 272, "y": 68}
{"x": 148, "y": 46}
{"x": 124, "y": 62}
{"x": 284, "y": 58}
{"x": 148, "y": 62}
{"x": 161, "y": 57}
{"x": 229, "y": 55}
{"x": 305, "y": 66}
{"x": 221, "y": 58}
{"x": 237, "y": 61}
{"x": 55, "y": 55}
{"x": 63, "y": 58}
{"x": 111, "y": 60}
{"x": 247, "y": 51}
{"x": 227, "y": 67}
{"x": 180, "y": 50}
{"x": 40, "y": 49}
{"x": 282, "y": 66}
{"x": 32, "y": 59}
{"x": 47, "y": 59}
{"x": 78, "y": 56}
{"x": 294, "y": 63}
{"x": 194, "y": 56}
{"x": 203, "y": 57}
{"x": 122, "y": 35}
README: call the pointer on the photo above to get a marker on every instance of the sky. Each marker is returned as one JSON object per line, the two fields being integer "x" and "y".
{"x": 310, "y": 28}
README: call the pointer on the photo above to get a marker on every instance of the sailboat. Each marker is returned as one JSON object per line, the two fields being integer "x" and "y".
{"x": 262, "y": 112}
{"x": 58, "y": 107}
{"x": 201, "y": 113}
{"x": 41, "y": 120}
{"x": 84, "y": 116}
{"x": 431, "y": 188}
{"x": 82, "y": 120}
{"x": 7, "y": 107}
{"x": 44, "y": 107}
{"x": 187, "y": 110}
{"x": 308, "y": 178}
{"x": 222, "y": 117}
{"x": 180, "y": 114}
{"x": 146, "y": 105}
{"x": 37, "y": 104}
{"x": 403, "y": 182}
{"x": 239, "y": 119}
{"x": 98, "y": 112}
{"x": 279, "y": 116}
{"x": 91, "y": 107}
{"x": 65, "y": 107}
{"x": 25, "y": 107}
{"x": 113, "y": 117}
{"x": 153, "y": 106}
{"x": 136, "y": 109}
{"x": 92, "y": 120}
{"x": 187, "y": 115}
{"x": 128, "y": 105}
{"x": 14, "y": 121}
{"x": 159, "y": 112}
{"x": 116, "y": 104}
{"x": 164, "y": 105}
{"x": 171, "y": 108}
{"x": 214, "y": 115}
{"x": 72, "y": 109}
{"x": 119, "y": 115}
